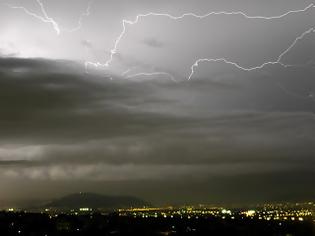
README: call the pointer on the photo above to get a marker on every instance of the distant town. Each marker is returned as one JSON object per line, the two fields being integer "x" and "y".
{"x": 265, "y": 219}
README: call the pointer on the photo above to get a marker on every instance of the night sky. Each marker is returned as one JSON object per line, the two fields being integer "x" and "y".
{"x": 152, "y": 123}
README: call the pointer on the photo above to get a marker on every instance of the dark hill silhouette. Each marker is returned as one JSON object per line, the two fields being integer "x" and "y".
{"x": 95, "y": 201}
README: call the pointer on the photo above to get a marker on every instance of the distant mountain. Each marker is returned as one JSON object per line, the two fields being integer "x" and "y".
{"x": 95, "y": 201}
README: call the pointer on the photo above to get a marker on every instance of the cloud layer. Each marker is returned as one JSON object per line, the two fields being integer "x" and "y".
{"x": 59, "y": 124}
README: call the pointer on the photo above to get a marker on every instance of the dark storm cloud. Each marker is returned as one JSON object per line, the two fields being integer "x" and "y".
{"x": 39, "y": 99}
{"x": 59, "y": 124}
{"x": 54, "y": 96}
{"x": 224, "y": 136}
{"x": 251, "y": 136}
{"x": 15, "y": 163}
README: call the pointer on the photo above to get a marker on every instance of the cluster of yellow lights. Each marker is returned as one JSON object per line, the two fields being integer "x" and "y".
{"x": 190, "y": 212}
{"x": 85, "y": 209}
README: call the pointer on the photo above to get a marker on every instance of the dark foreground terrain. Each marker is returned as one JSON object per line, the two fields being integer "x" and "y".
{"x": 97, "y": 224}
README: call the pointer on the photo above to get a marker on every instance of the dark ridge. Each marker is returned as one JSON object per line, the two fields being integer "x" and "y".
{"x": 96, "y": 201}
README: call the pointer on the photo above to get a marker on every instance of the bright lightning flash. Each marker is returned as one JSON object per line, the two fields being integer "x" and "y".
{"x": 46, "y": 19}
{"x": 196, "y": 64}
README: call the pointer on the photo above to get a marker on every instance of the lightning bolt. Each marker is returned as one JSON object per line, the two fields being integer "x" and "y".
{"x": 125, "y": 23}
{"x": 278, "y": 61}
{"x": 45, "y": 18}
{"x": 82, "y": 16}
{"x": 138, "y": 17}
{"x": 126, "y": 72}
